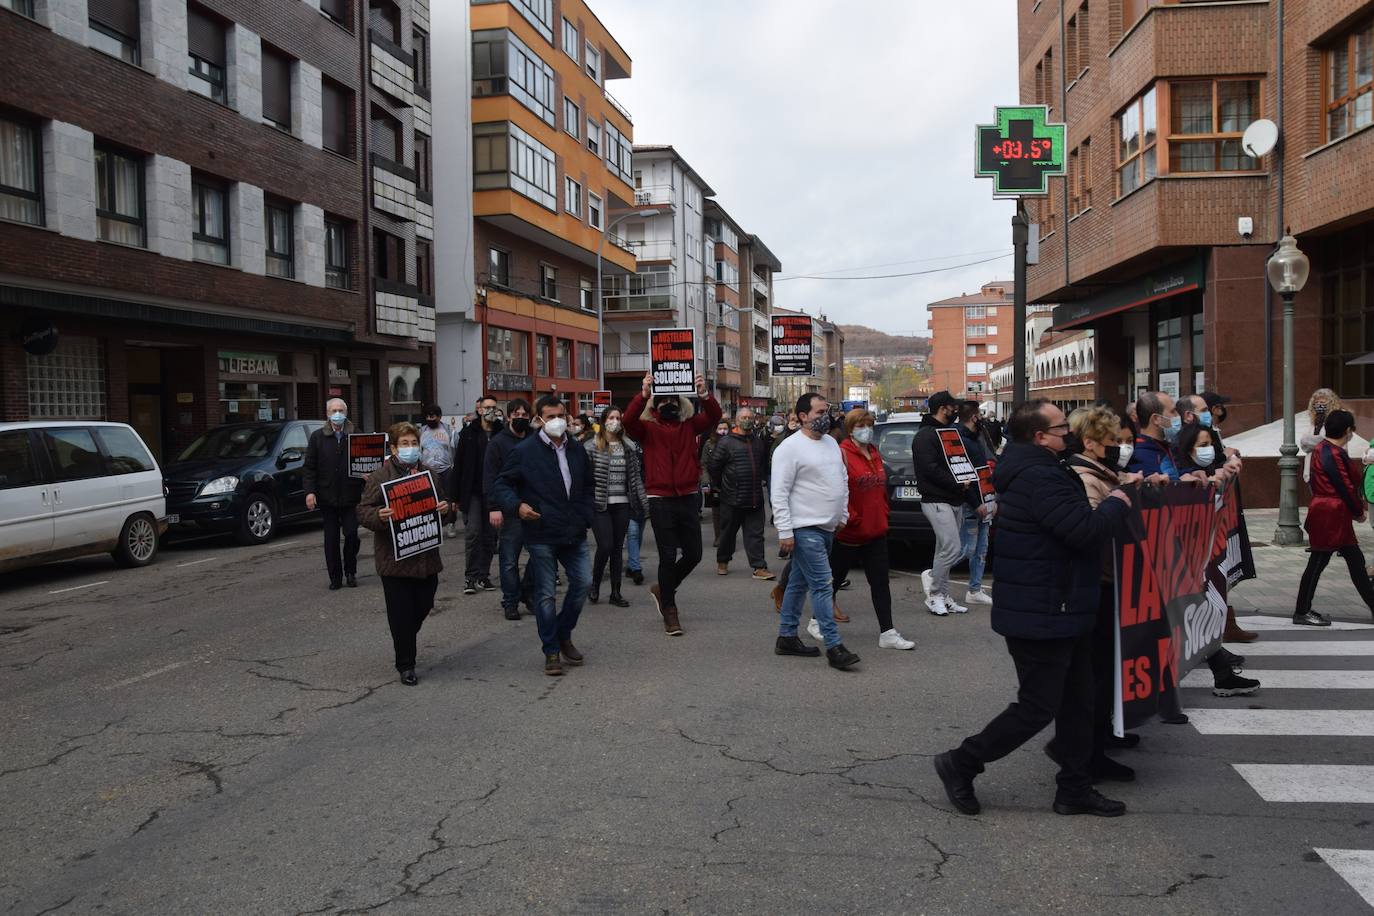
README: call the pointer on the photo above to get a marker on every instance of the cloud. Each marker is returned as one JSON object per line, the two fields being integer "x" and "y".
{"x": 839, "y": 131}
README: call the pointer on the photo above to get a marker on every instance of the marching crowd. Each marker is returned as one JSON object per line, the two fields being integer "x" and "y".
{"x": 536, "y": 479}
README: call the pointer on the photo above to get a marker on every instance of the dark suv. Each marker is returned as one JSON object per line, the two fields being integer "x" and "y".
{"x": 247, "y": 478}
{"x": 907, "y": 521}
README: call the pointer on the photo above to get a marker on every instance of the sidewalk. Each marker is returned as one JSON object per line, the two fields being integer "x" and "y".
{"x": 1279, "y": 571}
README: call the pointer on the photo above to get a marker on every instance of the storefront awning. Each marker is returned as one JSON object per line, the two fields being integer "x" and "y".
{"x": 1176, "y": 279}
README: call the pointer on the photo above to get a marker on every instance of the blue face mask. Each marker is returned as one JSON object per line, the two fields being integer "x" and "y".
{"x": 408, "y": 454}
{"x": 1174, "y": 428}
{"x": 338, "y": 418}
{"x": 1205, "y": 418}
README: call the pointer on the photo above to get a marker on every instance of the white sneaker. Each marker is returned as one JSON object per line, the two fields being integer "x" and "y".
{"x": 814, "y": 629}
{"x": 978, "y": 596}
{"x": 891, "y": 639}
{"x": 937, "y": 605}
{"x": 926, "y": 581}
{"x": 955, "y": 606}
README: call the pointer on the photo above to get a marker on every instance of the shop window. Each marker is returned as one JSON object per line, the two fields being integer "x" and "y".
{"x": 541, "y": 355}
{"x": 1169, "y": 345}
{"x": 586, "y": 361}
{"x": 68, "y": 383}
{"x": 507, "y": 350}
{"x": 405, "y": 385}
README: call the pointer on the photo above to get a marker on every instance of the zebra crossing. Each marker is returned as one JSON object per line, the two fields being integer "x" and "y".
{"x": 1292, "y": 666}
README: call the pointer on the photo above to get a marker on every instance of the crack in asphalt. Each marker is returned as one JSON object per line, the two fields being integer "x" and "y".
{"x": 157, "y": 812}
{"x": 1193, "y": 878}
{"x": 25, "y": 666}
{"x": 944, "y": 857}
{"x": 272, "y": 662}
{"x": 38, "y": 766}
{"x": 217, "y": 730}
{"x": 210, "y": 771}
{"x": 303, "y": 685}
{"x": 67, "y": 739}
{"x": 368, "y": 690}
{"x": 730, "y": 811}
{"x": 55, "y": 907}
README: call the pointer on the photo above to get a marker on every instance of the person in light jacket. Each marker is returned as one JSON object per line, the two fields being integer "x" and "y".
{"x": 619, "y": 494}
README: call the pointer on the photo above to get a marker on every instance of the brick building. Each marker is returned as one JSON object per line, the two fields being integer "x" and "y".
{"x": 191, "y": 206}
{"x": 1141, "y": 241}
{"x": 968, "y": 334}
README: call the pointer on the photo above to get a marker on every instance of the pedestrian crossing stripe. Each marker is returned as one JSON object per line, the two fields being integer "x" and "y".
{"x": 1345, "y": 723}
{"x": 1281, "y": 782}
{"x": 1285, "y": 624}
{"x": 1356, "y": 866}
{"x": 1292, "y": 680}
{"x": 1352, "y": 648}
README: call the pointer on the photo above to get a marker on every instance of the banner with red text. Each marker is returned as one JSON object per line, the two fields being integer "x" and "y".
{"x": 416, "y": 525}
{"x": 672, "y": 360}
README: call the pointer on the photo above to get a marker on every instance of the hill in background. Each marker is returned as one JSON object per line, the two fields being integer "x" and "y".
{"x": 860, "y": 340}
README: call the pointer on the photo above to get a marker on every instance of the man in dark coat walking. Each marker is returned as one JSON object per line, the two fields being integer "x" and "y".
{"x": 469, "y": 463}
{"x": 329, "y": 489}
{"x": 510, "y": 534}
{"x": 738, "y": 469}
{"x": 1044, "y": 603}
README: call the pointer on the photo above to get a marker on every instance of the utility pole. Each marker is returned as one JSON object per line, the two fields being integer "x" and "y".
{"x": 1019, "y": 236}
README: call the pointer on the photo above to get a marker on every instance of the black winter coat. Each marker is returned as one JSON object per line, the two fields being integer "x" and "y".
{"x": 933, "y": 476}
{"x": 469, "y": 462}
{"x": 326, "y": 469}
{"x": 531, "y": 475}
{"x": 498, "y": 450}
{"x": 738, "y": 468}
{"x": 1049, "y": 542}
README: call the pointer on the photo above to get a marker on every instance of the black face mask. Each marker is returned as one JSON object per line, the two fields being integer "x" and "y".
{"x": 520, "y": 425}
{"x": 1071, "y": 445}
{"x": 669, "y": 410}
{"x": 432, "y": 424}
{"x": 1112, "y": 458}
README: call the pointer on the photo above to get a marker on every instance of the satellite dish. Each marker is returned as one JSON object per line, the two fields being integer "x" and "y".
{"x": 1260, "y": 138}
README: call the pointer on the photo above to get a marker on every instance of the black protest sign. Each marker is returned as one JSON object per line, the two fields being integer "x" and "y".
{"x": 985, "y": 489}
{"x": 956, "y": 456}
{"x": 672, "y": 360}
{"x": 366, "y": 452}
{"x": 415, "y": 522}
{"x": 792, "y": 351}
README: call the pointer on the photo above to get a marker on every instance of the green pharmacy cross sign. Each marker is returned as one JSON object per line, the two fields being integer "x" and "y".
{"x": 1021, "y": 151}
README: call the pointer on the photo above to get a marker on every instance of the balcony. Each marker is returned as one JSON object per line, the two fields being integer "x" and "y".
{"x": 615, "y": 103}
{"x": 400, "y": 310}
{"x": 655, "y": 250}
{"x": 393, "y": 189}
{"x": 659, "y": 195}
{"x": 627, "y": 362}
{"x": 760, "y": 286}
{"x": 392, "y": 69}
{"x": 621, "y": 243}
{"x": 630, "y": 305}
{"x": 761, "y": 389}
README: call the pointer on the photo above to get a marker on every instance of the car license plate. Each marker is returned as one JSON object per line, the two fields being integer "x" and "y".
{"x": 908, "y": 493}
{"x": 173, "y": 519}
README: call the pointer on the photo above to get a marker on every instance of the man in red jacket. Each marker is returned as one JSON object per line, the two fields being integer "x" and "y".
{"x": 672, "y": 476}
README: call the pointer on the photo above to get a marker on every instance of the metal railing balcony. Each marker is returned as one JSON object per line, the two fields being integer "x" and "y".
{"x": 655, "y": 250}
{"x": 759, "y": 285}
{"x": 615, "y": 103}
{"x": 658, "y": 195}
{"x": 627, "y": 362}
{"x": 640, "y": 302}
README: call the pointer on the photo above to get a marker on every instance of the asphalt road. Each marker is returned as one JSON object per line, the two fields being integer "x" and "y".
{"x": 220, "y": 734}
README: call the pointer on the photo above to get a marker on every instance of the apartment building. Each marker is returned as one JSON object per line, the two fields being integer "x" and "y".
{"x": 723, "y": 315}
{"x": 757, "y": 265}
{"x": 1141, "y": 240}
{"x": 968, "y": 333}
{"x": 203, "y": 233}
{"x": 832, "y": 385}
{"x": 827, "y": 365}
{"x": 552, "y": 170}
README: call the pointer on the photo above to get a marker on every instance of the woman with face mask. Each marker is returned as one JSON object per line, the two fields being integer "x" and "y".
{"x": 619, "y": 494}
{"x": 1197, "y": 450}
{"x": 408, "y": 584}
{"x": 1337, "y": 504}
{"x": 709, "y": 497}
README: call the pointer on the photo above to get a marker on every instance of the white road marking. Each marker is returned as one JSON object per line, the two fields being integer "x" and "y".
{"x": 1345, "y": 723}
{"x": 1356, "y": 866}
{"x": 1345, "y": 784}
{"x": 1303, "y": 647}
{"x": 1293, "y": 680}
{"x": 1274, "y": 622}
{"x": 147, "y": 674}
{"x": 58, "y": 591}
{"x": 195, "y": 562}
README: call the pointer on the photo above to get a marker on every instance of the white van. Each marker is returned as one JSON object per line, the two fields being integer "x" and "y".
{"x": 71, "y": 488}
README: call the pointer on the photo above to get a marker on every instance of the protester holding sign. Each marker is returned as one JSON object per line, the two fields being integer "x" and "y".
{"x": 1337, "y": 504}
{"x": 410, "y": 576}
{"x": 942, "y": 498}
{"x": 330, "y": 488}
{"x": 978, "y": 510}
{"x": 1160, "y": 426}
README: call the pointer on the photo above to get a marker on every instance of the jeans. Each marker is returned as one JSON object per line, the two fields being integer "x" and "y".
{"x": 872, "y": 556}
{"x": 811, "y": 573}
{"x": 513, "y": 587}
{"x": 677, "y": 527}
{"x": 479, "y": 538}
{"x": 945, "y": 520}
{"x": 408, "y": 603}
{"x": 973, "y": 544}
{"x": 336, "y": 519}
{"x": 1316, "y": 564}
{"x": 634, "y": 536}
{"x": 751, "y": 520}
{"x": 1056, "y": 685}
{"x": 556, "y": 627}
{"x": 609, "y": 527}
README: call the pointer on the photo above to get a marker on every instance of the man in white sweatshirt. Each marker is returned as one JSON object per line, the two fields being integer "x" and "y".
{"x": 809, "y": 489}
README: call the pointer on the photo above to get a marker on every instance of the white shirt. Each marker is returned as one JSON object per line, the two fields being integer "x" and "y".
{"x": 809, "y": 487}
{"x": 560, "y": 449}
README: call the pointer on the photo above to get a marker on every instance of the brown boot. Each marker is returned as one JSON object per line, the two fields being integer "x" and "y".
{"x": 1233, "y": 632}
{"x": 670, "y": 623}
{"x": 840, "y": 616}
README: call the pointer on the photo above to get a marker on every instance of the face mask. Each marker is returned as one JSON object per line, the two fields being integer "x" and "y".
{"x": 1111, "y": 456}
{"x": 863, "y": 435}
{"x": 775, "y": 428}
{"x": 612, "y": 426}
{"x": 669, "y": 410}
{"x": 821, "y": 424}
{"x": 722, "y": 430}
{"x": 408, "y": 454}
{"x": 1071, "y": 444}
{"x": 1205, "y": 418}
{"x": 490, "y": 414}
{"x": 1172, "y": 430}
{"x": 520, "y": 425}
{"x": 746, "y": 424}
{"x": 1205, "y": 455}
{"x": 555, "y": 428}
{"x": 338, "y": 418}
{"x": 432, "y": 424}
{"x": 1125, "y": 450}
{"x": 577, "y": 429}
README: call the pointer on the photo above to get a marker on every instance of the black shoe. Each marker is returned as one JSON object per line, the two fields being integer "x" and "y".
{"x": 594, "y": 592}
{"x": 958, "y": 788}
{"x": 792, "y": 645}
{"x": 470, "y": 587}
{"x": 351, "y": 580}
{"x": 1230, "y": 658}
{"x": 844, "y": 583}
{"x": 1234, "y": 685}
{"x": 840, "y": 657}
{"x": 1106, "y": 769}
{"x": 617, "y": 600}
{"x": 637, "y": 576}
{"x": 1091, "y": 802}
{"x": 485, "y": 584}
{"x": 335, "y": 586}
{"x": 1310, "y": 619}
{"x": 408, "y": 677}
{"x": 512, "y": 613}
{"x": 1176, "y": 718}
{"x": 1128, "y": 740}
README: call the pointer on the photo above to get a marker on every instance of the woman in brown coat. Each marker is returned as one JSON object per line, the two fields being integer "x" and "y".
{"x": 409, "y": 584}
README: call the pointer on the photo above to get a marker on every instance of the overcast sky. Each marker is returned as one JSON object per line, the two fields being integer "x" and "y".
{"x": 838, "y": 131}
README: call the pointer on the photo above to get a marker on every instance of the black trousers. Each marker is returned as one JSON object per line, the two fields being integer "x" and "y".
{"x": 733, "y": 518}
{"x": 677, "y": 532}
{"x": 1316, "y": 565}
{"x": 408, "y": 603}
{"x": 873, "y": 558}
{"x": 338, "y": 518}
{"x": 1056, "y": 685}
{"x": 609, "y": 528}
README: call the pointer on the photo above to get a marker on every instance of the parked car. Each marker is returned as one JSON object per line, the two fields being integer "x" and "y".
{"x": 248, "y": 478}
{"x": 906, "y": 520}
{"x": 68, "y": 489}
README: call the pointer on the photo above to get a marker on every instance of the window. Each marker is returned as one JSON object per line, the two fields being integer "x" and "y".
{"x": 992, "y": 330}
{"x": 594, "y": 210}
{"x": 506, "y": 156}
{"x": 1135, "y": 160}
{"x": 385, "y": 133}
{"x": 420, "y": 44}
{"x": 73, "y": 453}
{"x": 276, "y": 88}
{"x": 384, "y": 18}
{"x": 338, "y": 117}
{"x": 541, "y": 355}
{"x": 498, "y": 267}
{"x": 22, "y": 7}
{"x": 977, "y": 330}
{"x": 1169, "y": 344}
{"x": 572, "y": 116}
{"x": 114, "y": 28}
{"x": 1347, "y": 321}
{"x": 992, "y": 311}
{"x": 1044, "y": 80}
{"x": 586, "y": 360}
{"x": 971, "y": 350}
{"x": 593, "y": 58}
{"x": 68, "y": 383}
{"x": 209, "y": 222}
{"x": 1076, "y": 43}
{"x": 1207, "y": 121}
{"x": 572, "y": 197}
{"x": 507, "y": 350}
{"x": 21, "y": 196}
{"x": 586, "y": 295}
{"x": 338, "y": 10}
{"x": 388, "y": 257}
{"x": 977, "y": 368}
{"x": 992, "y": 349}
{"x": 205, "y": 42}
{"x": 975, "y": 311}
{"x": 593, "y": 136}
{"x": 1348, "y": 66}
{"x": 563, "y": 359}
{"x": 618, "y": 152}
{"x": 125, "y": 453}
{"x": 548, "y": 282}
{"x": 405, "y": 384}
{"x": 570, "y": 39}
{"x": 538, "y": 13}
{"x": 280, "y": 241}
{"x": 1081, "y": 192}
{"x": 337, "y": 267}
{"x": 17, "y": 465}
{"x": 424, "y": 268}
{"x": 423, "y": 163}
{"x": 503, "y": 65}
{"x": 119, "y": 196}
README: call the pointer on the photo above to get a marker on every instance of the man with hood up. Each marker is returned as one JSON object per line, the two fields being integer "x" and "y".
{"x": 668, "y": 433}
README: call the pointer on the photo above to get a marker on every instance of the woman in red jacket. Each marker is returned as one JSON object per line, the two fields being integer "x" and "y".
{"x": 863, "y": 541}
{"x": 1337, "y": 503}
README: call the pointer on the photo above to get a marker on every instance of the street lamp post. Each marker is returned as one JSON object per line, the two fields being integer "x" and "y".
{"x": 1288, "y": 269}
{"x": 600, "y": 299}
